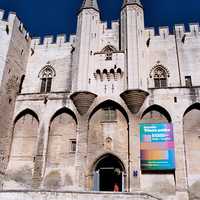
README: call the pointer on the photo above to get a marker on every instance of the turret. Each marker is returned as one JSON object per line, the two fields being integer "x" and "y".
{"x": 90, "y": 4}
{"x": 131, "y": 2}
{"x": 132, "y": 41}
{"x": 87, "y": 37}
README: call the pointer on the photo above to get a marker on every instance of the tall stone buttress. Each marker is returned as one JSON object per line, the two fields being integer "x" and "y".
{"x": 132, "y": 41}
{"x": 87, "y": 32}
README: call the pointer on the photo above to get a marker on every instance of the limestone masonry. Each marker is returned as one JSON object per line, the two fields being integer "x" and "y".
{"x": 72, "y": 112}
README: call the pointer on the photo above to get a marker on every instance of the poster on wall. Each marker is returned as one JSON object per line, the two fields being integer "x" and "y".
{"x": 157, "y": 147}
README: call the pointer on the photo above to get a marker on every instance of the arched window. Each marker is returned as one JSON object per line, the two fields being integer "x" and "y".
{"x": 108, "y": 50}
{"x": 160, "y": 77}
{"x": 46, "y": 75}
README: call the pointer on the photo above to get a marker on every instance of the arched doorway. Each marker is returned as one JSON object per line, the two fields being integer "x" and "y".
{"x": 108, "y": 132}
{"x": 109, "y": 174}
{"x": 191, "y": 128}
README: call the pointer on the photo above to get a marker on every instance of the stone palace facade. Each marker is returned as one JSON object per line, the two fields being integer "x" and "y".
{"x": 71, "y": 111}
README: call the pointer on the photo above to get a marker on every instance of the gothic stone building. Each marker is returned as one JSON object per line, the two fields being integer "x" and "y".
{"x": 72, "y": 112}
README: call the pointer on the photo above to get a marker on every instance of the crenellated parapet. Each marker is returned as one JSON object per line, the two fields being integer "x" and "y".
{"x": 51, "y": 41}
{"x": 109, "y": 35}
{"x": 114, "y": 25}
{"x": 7, "y": 23}
{"x": 194, "y": 30}
{"x": 179, "y": 31}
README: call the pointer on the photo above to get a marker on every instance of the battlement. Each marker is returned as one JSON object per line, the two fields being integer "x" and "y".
{"x": 10, "y": 18}
{"x": 13, "y": 19}
{"x": 50, "y": 40}
{"x": 194, "y": 30}
{"x": 179, "y": 31}
{"x": 114, "y": 25}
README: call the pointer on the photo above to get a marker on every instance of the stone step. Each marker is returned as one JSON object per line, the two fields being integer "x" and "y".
{"x": 62, "y": 195}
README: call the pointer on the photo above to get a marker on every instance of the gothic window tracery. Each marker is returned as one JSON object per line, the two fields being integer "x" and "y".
{"x": 46, "y": 75}
{"x": 108, "y": 50}
{"x": 160, "y": 76}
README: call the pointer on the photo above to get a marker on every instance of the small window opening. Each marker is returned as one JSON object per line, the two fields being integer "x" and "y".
{"x": 9, "y": 100}
{"x": 7, "y": 29}
{"x": 110, "y": 114}
{"x": 73, "y": 146}
{"x": 21, "y": 83}
{"x": 188, "y": 81}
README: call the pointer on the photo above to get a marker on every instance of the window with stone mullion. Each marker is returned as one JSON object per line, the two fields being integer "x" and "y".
{"x": 46, "y": 85}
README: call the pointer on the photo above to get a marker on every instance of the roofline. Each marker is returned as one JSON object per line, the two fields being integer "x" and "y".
{"x": 87, "y": 9}
{"x": 128, "y": 4}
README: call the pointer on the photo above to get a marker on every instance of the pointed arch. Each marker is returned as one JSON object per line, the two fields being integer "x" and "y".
{"x": 101, "y": 157}
{"x": 62, "y": 139}
{"x": 24, "y": 112}
{"x": 48, "y": 71}
{"x": 159, "y": 109}
{"x": 109, "y": 173}
{"x": 108, "y": 49}
{"x": 193, "y": 106}
{"x": 23, "y": 146}
{"x": 64, "y": 110}
{"x": 191, "y": 133}
{"x": 112, "y": 103}
{"x": 108, "y": 125}
{"x": 160, "y": 75}
{"x": 159, "y": 66}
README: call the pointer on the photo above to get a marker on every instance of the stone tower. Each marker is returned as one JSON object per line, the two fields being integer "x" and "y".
{"x": 87, "y": 30}
{"x": 14, "y": 51}
{"x": 132, "y": 31}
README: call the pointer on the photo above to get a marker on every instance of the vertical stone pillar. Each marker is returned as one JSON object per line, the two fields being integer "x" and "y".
{"x": 134, "y": 136}
{"x": 181, "y": 167}
{"x": 40, "y": 156}
{"x": 81, "y": 152}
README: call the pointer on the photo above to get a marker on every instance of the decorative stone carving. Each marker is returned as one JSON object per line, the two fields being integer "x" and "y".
{"x": 134, "y": 99}
{"x": 83, "y": 100}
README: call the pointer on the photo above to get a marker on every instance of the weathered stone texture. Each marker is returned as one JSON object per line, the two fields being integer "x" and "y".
{"x": 36, "y": 129}
{"x": 14, "y": 54}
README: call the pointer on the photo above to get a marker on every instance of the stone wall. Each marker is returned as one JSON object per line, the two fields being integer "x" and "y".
{"x": 60, "y": 166}
{"x": 105, "y": 137}
{"x": 22, "y": 153}
{"x": 15, "y": 56}
{"x": 192, "y": 142}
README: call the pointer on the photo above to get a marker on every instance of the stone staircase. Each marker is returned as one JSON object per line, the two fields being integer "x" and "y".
{"x": 62, "y": 195}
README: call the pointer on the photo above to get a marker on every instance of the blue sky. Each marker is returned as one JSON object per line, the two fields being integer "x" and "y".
{"x": 51, "y": 17}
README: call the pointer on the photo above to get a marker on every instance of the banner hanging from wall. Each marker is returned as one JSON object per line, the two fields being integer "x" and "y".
{"x": 157, "y": 147}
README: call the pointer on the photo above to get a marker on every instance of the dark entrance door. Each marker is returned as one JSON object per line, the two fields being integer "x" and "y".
{"x": 109, "y": 177}
{"x": 110, "y": 174}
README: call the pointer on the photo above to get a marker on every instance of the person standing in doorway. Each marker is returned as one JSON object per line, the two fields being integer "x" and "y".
{"x": 116, "y": 187}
